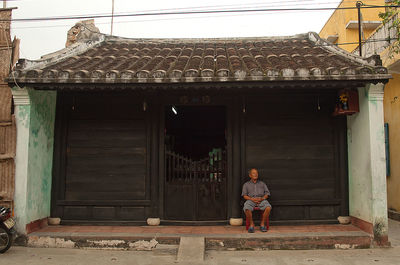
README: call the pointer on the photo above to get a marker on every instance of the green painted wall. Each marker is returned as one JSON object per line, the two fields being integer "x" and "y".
{"x": 41, "y": 138}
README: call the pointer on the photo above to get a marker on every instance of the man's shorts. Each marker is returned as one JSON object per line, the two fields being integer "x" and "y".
{"x": 249, "y": 205}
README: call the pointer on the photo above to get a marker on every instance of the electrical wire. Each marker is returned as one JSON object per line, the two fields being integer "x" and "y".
{"x": 250, "y": 10}
{"x": 323, "y": 45}
{"x": 205, "y": 8}
{"x": 191, "y": 12}
{"x": 363, "y": 42}
{"x": 188, "y": 8}
{"x": 142, "y": 20}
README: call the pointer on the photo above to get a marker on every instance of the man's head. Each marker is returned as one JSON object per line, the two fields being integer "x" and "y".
{"x": 253, "y": 174}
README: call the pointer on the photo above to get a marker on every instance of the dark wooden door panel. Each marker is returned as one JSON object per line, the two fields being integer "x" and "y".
{"x": 295, "y": 147}
{"x": 180, "y": 201}
{"x": 211, "y": 201}
{"x": 106, "y": 156}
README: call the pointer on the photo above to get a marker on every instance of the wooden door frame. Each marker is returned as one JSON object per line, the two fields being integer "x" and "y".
{"x": 216, "y": 100}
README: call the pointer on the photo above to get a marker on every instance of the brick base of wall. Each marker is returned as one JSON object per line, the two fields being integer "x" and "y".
{"x": 36, "y": 225}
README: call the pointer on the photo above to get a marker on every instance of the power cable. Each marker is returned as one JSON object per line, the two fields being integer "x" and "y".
{"x": 187, "y": 13}
{"x": 144, "y": 20}
{"x": 325, "y": 44}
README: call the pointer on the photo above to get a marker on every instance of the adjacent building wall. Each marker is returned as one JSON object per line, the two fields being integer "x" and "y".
{"x": 336, "y": 24}
{"x": 392, "y": 117}
{"x": 35, "y": 116}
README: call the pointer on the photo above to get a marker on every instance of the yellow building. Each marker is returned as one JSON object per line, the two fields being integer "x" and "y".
{"x": 391, "y": 103}
{"x": 342, "y": 28}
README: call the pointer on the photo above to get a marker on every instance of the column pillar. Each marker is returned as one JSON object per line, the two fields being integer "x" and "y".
{"x": 22, "y": 111}
{"x": 378, "y": 163}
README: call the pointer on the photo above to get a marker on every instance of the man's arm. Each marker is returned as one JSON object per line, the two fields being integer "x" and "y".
{"x": 266, "y": 192}
{"x": 256, "y": 200}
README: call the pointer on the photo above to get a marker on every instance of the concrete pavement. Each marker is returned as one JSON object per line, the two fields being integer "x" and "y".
{"x": 164, "y": 255}
{"x": 394, "y": 232}
{"x": 50, "y": 256}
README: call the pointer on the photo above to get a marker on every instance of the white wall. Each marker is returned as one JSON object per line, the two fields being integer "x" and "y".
{"x": 367, "y": 165}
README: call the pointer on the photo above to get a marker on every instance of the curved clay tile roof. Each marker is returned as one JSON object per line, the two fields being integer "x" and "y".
{"x": 119, "y": 60}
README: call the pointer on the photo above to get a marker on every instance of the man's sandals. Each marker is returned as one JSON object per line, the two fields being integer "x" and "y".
{"x": 262, "y": 229}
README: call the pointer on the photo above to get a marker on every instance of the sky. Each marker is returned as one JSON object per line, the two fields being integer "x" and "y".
{"x": 40, "y": 38}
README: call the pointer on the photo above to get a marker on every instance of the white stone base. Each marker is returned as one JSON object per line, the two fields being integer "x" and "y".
{"x": 153, "y": 221}
{"x": 344, "y": 220}
{"x": 236, "y": 221}
{"x": 54, "y": 221}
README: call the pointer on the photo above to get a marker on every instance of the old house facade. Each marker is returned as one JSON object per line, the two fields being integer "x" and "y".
{"x": 114, "y": 131}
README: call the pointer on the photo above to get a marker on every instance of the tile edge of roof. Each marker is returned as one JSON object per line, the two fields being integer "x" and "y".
{"x": 324, "y": 44}
{"x": 54, "y": 57}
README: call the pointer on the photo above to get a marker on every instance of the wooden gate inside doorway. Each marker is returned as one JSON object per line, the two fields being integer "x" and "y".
{"x": 195, "y": 163}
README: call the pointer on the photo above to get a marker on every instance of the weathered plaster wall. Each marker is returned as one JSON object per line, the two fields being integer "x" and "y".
{"x": 392, "y": 110}
{"x": 35, "y": 115}
{"x": 41, "y": 139}
{"x": 359, "y": 161}
{"x": 22, "y": 117}
{"x": 367, "y": 165}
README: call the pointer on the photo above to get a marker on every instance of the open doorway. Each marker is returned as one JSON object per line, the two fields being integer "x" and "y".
{"x": 195, "y": 163}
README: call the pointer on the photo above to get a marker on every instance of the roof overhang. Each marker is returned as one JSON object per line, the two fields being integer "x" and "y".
{"x": 209, "y": 86}
{"x": 332, "y": 38}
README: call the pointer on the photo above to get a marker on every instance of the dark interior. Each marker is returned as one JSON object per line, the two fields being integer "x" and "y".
{"x": 194, "y": 131}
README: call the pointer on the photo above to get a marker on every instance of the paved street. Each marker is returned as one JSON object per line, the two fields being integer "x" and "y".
{"x": 166, "y": 255}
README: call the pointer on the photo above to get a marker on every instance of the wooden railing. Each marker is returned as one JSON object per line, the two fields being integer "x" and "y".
{"x": 182, "y": 169}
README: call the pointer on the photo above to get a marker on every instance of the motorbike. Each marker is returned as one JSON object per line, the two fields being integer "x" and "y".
{"x": 7, "y": 231}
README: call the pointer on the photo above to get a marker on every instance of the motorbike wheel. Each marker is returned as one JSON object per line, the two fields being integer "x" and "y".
{"x": 5, "y": 239}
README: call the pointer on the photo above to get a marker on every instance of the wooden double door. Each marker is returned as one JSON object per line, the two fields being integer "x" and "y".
{"x": 195, "y": 166}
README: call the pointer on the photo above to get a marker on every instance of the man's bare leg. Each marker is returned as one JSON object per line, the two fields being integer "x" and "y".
{"x": 249, "y": 217}
{"x": 265, "y": 216}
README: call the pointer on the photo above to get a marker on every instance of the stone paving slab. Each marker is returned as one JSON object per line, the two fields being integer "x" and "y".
{"x": 191, "y": 249}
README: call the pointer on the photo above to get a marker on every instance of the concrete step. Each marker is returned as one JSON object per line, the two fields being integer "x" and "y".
{"x": 191, "y": 249}
{"x": 215, "y": 241}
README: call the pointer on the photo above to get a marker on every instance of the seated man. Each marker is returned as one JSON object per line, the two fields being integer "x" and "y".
{"x": 256, "y": 193}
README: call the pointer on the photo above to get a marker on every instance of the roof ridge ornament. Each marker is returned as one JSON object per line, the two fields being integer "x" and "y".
{"x": 82, "y": 31}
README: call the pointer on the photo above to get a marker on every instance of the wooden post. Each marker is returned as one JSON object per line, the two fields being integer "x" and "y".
{"x": 358, "y": 5}
{"x": 112, "y": 17}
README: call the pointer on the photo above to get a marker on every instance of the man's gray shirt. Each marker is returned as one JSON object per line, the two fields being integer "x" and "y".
{"x": 258, "y": 189}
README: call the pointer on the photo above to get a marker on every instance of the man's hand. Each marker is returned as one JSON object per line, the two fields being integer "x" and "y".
{"x": 257, "y": 199}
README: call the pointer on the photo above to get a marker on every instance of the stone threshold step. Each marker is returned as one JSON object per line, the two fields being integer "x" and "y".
{"x": 126, "y": 241}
